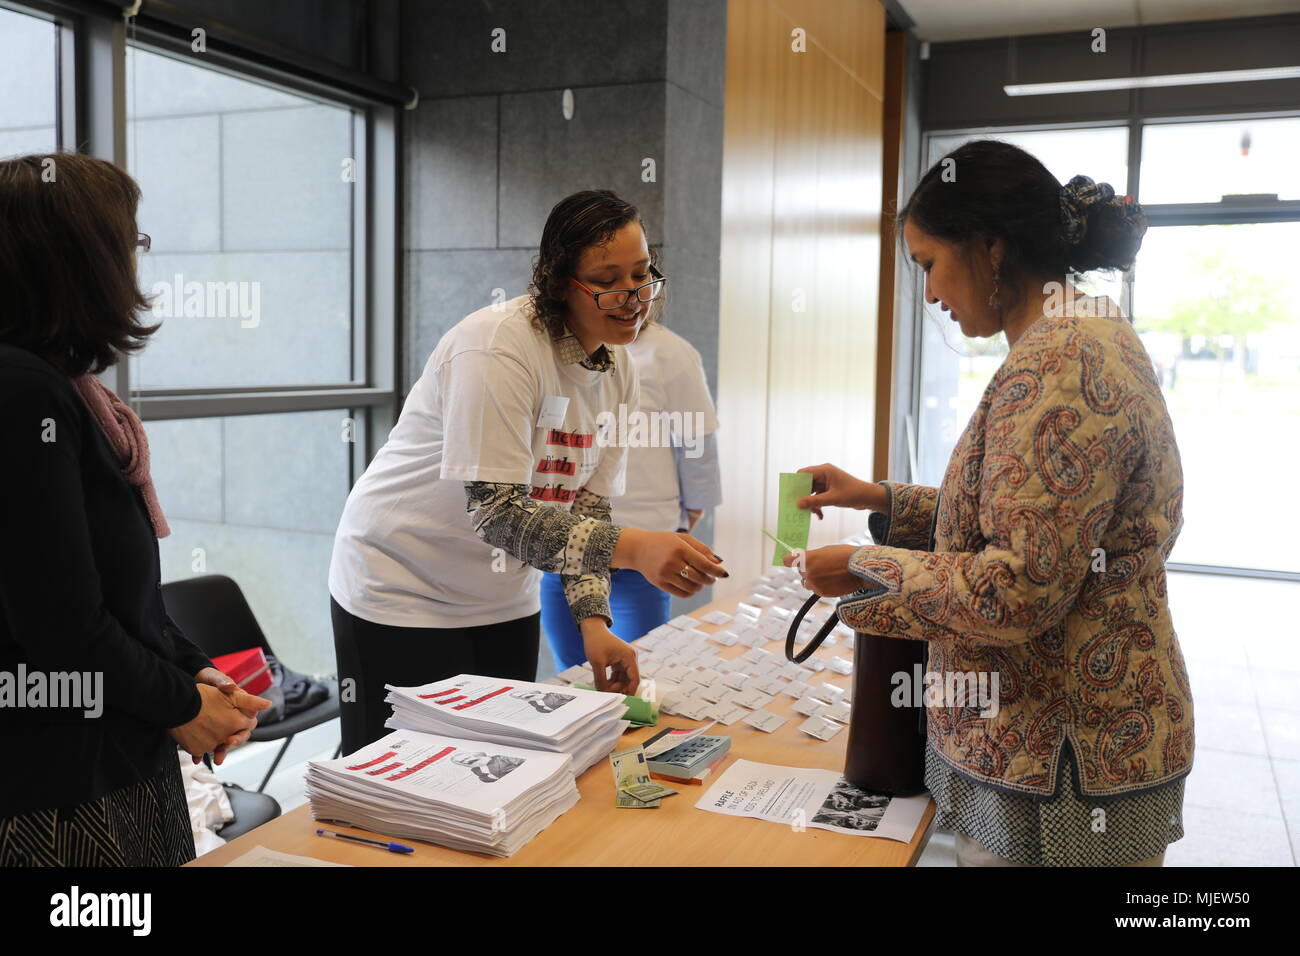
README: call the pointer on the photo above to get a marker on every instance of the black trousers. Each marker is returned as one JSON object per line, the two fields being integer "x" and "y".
{"x": 371, "y": 655}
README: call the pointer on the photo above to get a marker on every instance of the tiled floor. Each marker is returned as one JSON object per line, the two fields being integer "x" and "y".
{"x": 1241, "y": 640}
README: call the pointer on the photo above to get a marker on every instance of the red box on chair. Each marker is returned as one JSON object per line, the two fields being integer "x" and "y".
{"x": 248, "y": 669}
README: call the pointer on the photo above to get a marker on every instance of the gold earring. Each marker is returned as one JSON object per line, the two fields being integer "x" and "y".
{"x": 993, "y": 299}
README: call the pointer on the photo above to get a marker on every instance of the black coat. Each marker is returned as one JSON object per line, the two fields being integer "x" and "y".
{"x": 80, "y": 591}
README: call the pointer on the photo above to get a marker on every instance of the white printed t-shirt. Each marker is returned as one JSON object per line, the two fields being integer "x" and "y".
{"x": 671, "y": 380}
{"x": 405, "y": 552}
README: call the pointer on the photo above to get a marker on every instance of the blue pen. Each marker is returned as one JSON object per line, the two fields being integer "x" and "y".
{"x": 390, "y": 847}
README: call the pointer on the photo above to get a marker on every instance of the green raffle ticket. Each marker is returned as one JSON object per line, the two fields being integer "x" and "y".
{"x": 792, "y": 522}
{"x": 642, "y": 713}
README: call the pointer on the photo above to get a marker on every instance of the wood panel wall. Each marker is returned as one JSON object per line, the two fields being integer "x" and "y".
{"x": 896, "y": 93}
{"x": 800, "y": 262}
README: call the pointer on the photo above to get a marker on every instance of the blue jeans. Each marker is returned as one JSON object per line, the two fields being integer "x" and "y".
{"x": 636, "y": 604}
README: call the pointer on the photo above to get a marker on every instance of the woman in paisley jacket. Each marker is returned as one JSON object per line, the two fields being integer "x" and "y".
{"x": 1041, "y": 556}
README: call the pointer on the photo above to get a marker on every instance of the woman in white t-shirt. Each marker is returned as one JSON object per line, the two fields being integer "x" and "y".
{"x": 501, "y": 465}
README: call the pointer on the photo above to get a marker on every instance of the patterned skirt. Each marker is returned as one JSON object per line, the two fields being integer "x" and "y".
{"x": 1061, "y": 831}
{"x": 145, "y": 824}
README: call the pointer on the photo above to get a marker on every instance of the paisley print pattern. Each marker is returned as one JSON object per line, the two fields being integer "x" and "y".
{"x": 1041, "y": 556}
{"x": 1104, "y": 393}
{"x": 1063, "y": 466}
{"x": 1105, "y": 660}
{"x": 1043, "y": 552}
{"x": 908, "y": 516}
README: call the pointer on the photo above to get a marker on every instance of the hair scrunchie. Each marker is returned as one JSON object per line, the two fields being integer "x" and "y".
{"x": 1080, "y": 193}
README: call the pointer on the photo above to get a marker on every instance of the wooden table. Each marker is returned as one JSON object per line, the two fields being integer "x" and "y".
{"x": 596, "y": 833}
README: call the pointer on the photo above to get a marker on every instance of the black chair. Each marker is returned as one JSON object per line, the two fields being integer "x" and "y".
{"x": 251, "y": 811}
{"x": 211, "y": 611}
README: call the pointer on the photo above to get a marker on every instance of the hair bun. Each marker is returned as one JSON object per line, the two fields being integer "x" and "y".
{"x": 1101, "y": 230}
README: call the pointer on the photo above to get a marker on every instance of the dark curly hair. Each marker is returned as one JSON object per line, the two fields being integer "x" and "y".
{"x": 1001, "y": 191}
{"x": 577, "y": 222}
{"x": 67, "y": 261}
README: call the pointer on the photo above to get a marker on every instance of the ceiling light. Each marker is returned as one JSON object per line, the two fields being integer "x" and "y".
{"x": 1142, "y": 82}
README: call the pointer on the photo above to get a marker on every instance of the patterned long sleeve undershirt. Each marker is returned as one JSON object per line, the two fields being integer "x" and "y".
{"x": 578, "y": 544}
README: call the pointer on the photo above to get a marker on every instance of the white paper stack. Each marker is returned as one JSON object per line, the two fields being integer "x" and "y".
{"x": 464, "y": 794}
{"x": 583, "y": 723}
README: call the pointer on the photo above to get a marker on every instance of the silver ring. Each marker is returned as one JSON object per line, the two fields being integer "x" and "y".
{"x": 682, "y": 572}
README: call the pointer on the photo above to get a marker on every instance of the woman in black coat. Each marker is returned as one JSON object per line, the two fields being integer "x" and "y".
{"x": 98, "y": 686}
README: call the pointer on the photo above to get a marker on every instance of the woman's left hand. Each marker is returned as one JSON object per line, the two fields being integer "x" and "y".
{"x": 825, "y": 571}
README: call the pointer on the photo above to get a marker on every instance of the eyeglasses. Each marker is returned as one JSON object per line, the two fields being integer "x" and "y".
{"x": 617, "y": 298}
{"x": 143, "y": 242}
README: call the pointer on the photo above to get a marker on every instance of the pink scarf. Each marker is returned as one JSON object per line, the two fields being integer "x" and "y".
{"x": 125, "y": 433}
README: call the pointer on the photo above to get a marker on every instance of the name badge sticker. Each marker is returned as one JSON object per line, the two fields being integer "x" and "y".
{"x": 554, "y": 408}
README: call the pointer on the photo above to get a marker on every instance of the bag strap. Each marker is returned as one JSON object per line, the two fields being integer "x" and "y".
{"x": 816, "y": 642}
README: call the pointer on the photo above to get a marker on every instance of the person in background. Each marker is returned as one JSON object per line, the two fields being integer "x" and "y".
{"x": 1041, "y": 557}
{"x": 79, "y": 575}
{"x": 496, "y": 471}
{"x": 670, "y": 484}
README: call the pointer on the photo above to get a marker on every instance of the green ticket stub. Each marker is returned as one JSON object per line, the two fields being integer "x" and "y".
{"x": 792, "y": 522}
{"x": 642, "y": 713}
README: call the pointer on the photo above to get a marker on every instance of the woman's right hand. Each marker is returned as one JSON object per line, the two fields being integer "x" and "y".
{"x": 663, "y": 556}
{"x": 217, "y": 720}
{"x": 835, "y": 488}
{"x": 613, "y": 660}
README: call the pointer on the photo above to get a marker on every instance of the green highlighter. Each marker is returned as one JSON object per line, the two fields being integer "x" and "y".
{"x": 792, "y": 522}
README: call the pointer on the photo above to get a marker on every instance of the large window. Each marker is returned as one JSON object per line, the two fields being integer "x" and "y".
{"x": 251, "y": 200}
{"x": 29, "y": 107}
{"x": 1215, "y": 299}
{"x": 1217, "y": 309}
{"x": 250, "y": 215}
